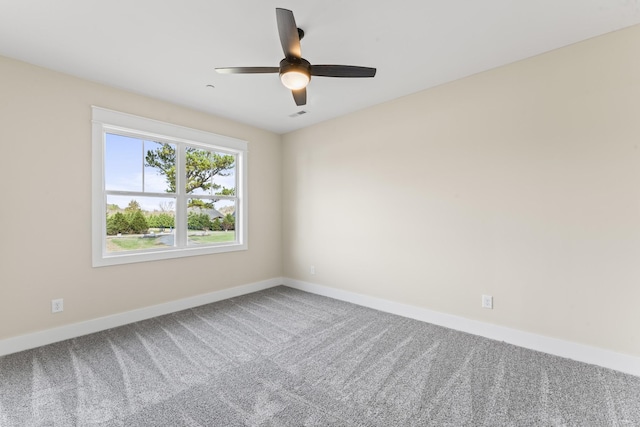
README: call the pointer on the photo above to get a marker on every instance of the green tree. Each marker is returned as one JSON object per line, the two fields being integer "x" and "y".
{"x": 161, "y": 220}
{"x": 216, "y": 225}
{"x": 167, "y": 221}
{"x": 117, "y": 223}
{"x": 133, "y": 206}
{"x": 229, "y": 222}
{"x": 199, "y": 203}
{"x": 138, "y": 223}
{"x": 153, "y": 221}
{"x": 201, "y": 167}
{"x": 199, "y": 221}
{"x": 130, "y": 213}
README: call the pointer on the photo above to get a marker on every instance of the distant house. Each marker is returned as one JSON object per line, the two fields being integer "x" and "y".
{"x": 213, "y": 213}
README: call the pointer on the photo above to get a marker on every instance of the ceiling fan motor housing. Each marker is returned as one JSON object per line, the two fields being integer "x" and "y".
{"x": 299, "y": 65}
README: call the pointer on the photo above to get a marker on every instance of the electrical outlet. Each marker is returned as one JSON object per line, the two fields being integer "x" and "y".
{"x": 312, "y": 270}
{"x": 487, "y": 301}
{"x": 57, "y": 305}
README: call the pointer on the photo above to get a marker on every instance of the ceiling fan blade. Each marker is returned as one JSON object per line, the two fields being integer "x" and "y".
{"x": 300, "y": 96}
{"x": 248, "y": 70}
{"x": 342, "y": 71}
{"x": 288, "y": 32}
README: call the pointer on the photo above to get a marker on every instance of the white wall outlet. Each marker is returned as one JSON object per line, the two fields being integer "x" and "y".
{"x": 57, "y": 305}
{"x": 312, "y": 270}
{"x": 487, "y": 301}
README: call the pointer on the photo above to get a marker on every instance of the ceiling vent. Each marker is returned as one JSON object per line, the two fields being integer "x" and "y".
{"x": 298, "y": 114}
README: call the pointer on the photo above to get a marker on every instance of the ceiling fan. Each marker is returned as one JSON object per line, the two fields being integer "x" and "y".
{"x": 295, "y": 71}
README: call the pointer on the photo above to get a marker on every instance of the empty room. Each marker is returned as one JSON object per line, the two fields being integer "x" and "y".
{"x": 258, "y": 213}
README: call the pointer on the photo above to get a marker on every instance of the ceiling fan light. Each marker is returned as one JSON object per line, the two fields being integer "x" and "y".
{"x": 295, "y": 79}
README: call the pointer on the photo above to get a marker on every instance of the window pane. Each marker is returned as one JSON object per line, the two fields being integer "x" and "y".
{"x": 139, "y": 223}
{"x": 123, "y": 163}
{"x": 159, "y": 167}
{"x": 211, "y": 221}
{"x": 209, "y": 173}
{"x": 224, "y": 182}
{"x": 132, "y": 164}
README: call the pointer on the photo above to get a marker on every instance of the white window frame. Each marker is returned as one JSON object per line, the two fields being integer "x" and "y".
{"x": 108, "y": 121}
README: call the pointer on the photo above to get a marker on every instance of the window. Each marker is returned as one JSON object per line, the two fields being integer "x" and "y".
{"x": 164, "y": 191}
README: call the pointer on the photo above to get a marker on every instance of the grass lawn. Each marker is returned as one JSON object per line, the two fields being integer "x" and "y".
{"x": 213, "y": 237}
{"x": 131, "y": 243}
{"x": 134, "y": 243}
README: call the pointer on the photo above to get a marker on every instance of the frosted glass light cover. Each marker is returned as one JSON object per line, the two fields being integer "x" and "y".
{"x": 295, "y": 80}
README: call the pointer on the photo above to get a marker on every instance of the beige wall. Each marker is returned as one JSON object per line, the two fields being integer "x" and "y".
{"x": 45, "y": 171}
{"x": 522, "y": 182}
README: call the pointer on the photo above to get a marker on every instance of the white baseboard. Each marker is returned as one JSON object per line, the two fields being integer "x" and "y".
{"x": 570, "y": 350}
{"x": 61, "y": 333}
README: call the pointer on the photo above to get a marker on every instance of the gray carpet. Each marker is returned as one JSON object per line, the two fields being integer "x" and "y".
{"x": 283, "y": 357}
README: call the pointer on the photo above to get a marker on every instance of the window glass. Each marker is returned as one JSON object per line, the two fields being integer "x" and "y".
{"x": 211, "y": 221}
{"x": 141, "y": 223}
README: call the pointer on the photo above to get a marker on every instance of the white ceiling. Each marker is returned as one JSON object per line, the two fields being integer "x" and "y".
{"x": 169, "y": 49}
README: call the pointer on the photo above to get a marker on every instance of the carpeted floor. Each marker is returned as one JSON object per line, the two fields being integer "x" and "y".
{"x": 283, "y": 357}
